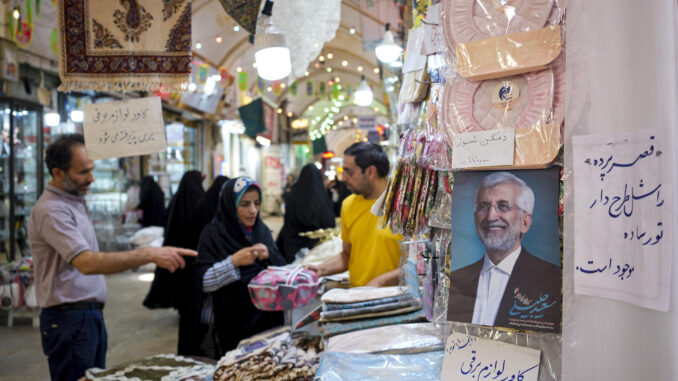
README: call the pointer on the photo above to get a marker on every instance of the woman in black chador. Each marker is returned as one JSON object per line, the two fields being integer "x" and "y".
{"x": 205, "y": 210}
{"x": 307, "y": 208}
{"x": 174, "y": 289}
{"x": 151, "y": 203}
{"x": 233, "y": 249}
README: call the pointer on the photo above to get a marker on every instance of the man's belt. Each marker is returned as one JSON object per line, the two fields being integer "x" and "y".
{"x": 77, "y": 306}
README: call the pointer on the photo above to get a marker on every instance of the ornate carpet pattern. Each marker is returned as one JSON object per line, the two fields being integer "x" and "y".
{"x": 124, "y": 45}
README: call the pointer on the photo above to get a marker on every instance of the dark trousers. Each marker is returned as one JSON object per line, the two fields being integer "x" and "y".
{"x": 73, "y": 341}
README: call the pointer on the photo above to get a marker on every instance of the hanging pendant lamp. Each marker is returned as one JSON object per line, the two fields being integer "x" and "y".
{"x": 271, "y": 53}
{"x": 388, "y": 51}
{"x": 363, "y": 95}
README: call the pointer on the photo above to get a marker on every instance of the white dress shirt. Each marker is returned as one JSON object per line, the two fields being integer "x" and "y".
{"x": 491, "y": 285}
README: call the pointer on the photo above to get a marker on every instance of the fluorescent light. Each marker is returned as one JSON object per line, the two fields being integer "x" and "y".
{"x": 77, "y": 116}
{"x": 232, "y": 126}
{"x": 52, "y": 119}
{"x": 263, "y": 141}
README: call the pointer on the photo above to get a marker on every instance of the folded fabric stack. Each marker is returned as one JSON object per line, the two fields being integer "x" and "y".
{"x": 160, "y": 367}
{"x": 273, "y": 355}
{"x": 367, "y": 307}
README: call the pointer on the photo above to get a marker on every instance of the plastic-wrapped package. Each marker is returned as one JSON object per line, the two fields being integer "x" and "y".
{"x": 394, "y": 339}
{"x": 441, "y": 216}
{"x": 408, "y": 113}
{"x": 442, "y": 246}
{"x": 415, "y": 75}
{"x": 415, "y": 86}
{"x": 510, "y": 73}
{"x": 337, "y": 366}
{"x": 434, "y": 42}
{"x": 508, "y": 55}
{"x": 479, "y": 106}
{"x": 471, "y": 20}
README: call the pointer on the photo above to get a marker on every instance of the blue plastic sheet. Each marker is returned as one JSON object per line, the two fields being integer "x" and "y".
{"x": 337, "y": 366}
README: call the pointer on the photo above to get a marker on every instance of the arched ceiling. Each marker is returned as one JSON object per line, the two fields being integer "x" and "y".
{"x": 351, "y": 51}
{"x": 362, "y": 24}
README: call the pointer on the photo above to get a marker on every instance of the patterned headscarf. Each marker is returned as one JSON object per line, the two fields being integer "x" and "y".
{"x": 242, "y": 184}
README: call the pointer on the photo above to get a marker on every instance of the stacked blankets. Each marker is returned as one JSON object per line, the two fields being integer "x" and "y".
{"x": 366, "y": 307}
{"x": 366, "y": 302}
{"x": 273, "y": 355}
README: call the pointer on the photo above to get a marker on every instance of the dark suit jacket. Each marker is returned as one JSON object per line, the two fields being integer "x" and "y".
{"x": 521, "y": 307}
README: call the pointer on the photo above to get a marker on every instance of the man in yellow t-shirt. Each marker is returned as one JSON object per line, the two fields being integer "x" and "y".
{"x": 370, "y": 254}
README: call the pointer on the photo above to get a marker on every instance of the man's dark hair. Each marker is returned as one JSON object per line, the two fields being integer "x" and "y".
{"x": 58, "y": 154}
{"x": 367, "y": 154}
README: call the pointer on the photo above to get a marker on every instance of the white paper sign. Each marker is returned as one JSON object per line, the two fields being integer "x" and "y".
{"x": 623, "y": 216}
{"x": 470, "y": 358}
{"x": 127, "y": 128}
{"x": 483, "y": 148}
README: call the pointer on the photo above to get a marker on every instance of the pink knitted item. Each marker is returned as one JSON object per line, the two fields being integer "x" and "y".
{"x": 470, "y": 20}
{"x": 558, "y": 67}
{"x": 468, "y": 108}
{"x": 466, "y": 102}
{"x": 282, "y": 288}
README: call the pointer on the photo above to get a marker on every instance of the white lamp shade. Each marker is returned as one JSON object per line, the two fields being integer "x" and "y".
{"x": 272, "y": 55}
{"x": 363, "y": 95}
{"x": 388, "y": 51}
{"x": 273, "y": 63}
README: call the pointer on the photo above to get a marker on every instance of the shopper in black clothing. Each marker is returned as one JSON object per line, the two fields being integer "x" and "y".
{"x": 307, "y": 208}
{"x": 173, "y": 289}
{"x": 234, "y": 248}
{"x": 151, "y": 203}
{"x": 337, "y": 191}
{"x": 205, "y": 209}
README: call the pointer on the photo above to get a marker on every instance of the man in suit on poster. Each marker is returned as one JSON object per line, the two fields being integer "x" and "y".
{"x": 508, "y": 287}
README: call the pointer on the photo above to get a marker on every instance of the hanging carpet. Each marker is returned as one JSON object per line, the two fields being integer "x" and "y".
{"x": 124, "y": 45}
{"x": 244, "y": 12}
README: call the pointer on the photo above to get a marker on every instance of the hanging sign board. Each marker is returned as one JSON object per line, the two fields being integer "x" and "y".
{"x": 623, "y": 213}
{"x": 127, "y": 128}
{"x": 470, "y": 358}
{"x": 483, "y": 148}
{"x": 367, "y": 123}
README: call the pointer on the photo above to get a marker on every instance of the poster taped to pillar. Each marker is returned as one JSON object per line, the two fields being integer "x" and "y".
{"x": 623, "y": 187}
{"x": 127, "y": 128}
{"x": 472, "y": 358}
{"x": 506, "y": 268}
